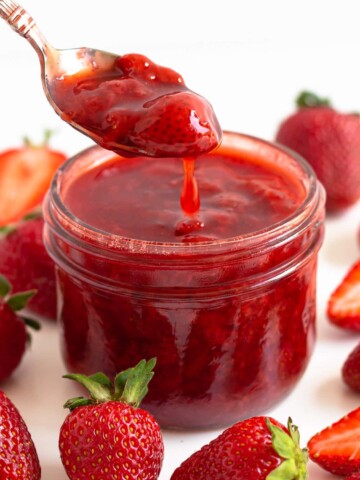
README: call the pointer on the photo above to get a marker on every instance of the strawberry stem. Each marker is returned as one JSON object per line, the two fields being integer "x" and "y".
{"x": 308, "y": 99}
{"x": 48, "y": 133}
{"x": 130, "y": 386}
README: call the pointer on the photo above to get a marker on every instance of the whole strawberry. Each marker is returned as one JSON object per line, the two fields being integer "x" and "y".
{"x": 354, "y": 476}
{"x": 330, "y": 142}
{"x": 107, "y": 436}
{"x": 258, "y": 448}
{"x": 336, "y": 448}
{"x": 343, "y": 308}
{"x": 18, "y": 457}
{"x": 351, "y": 369}
{"x": 13, "y": 333}
{"x": 26, "y": 264}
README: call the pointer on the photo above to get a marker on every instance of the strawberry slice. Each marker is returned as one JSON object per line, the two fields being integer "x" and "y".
{"x": 25, "y": 175}
{"x": 336, "y": 448}
{"x": 344, "y": 304}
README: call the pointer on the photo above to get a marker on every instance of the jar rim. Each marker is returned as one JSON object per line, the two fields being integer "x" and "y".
{"x": 275, "y": 233}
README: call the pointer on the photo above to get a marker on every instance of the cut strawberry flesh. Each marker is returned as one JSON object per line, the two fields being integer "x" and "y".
{"x": 345, "y": 442}
{"x": 349, "y": 301}
{"x": 344, "y": 303}
{"x": 25, "y": 175}
{"x": 337, "y": 448}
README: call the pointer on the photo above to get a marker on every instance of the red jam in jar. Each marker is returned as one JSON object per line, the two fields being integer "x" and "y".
{"x": 225, "y": 297}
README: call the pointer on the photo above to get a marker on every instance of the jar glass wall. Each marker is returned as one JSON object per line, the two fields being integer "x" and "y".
{"x": 231, "y": 322}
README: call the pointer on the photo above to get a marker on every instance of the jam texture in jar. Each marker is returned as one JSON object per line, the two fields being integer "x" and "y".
{"x": 226, "y": 299}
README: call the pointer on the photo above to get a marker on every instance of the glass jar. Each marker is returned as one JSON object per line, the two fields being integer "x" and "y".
{"x": 231, "y": 322}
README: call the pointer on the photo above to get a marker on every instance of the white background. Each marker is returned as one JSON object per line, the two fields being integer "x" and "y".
{"x": 250, "y": 59}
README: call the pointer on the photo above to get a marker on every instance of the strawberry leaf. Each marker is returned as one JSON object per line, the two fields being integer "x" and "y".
{"x": 120, "y": 382}
{"x": 131, "y": 386}
{"x": 32, "y": 215}
{"x": 5, "y": 286}
{"x": 31, "y": 323}
{"x": 7, "y": 229}
{"x": 294, "y": 432}
{"x": 99, "y": 392}
{"x": 285, "y": 471}
{"x": 18, "y": 301}
{"x": 287, "y": 446}
{"x": 77, "y": 402}
{"x": 102, "y": 379}
{"x": 283, "y": 444}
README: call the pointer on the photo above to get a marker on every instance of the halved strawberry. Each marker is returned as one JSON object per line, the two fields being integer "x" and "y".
{"x": 25, "y": 175}
{"x": 344, "y": 304}
{"x": 336, "y": 448}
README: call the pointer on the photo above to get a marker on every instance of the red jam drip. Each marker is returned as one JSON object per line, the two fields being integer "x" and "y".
{"x": 137, "y": 107}
{"x": 139, "y": 197}
{"x": 190, "y": 199}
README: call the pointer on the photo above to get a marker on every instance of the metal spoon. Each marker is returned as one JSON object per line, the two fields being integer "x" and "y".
{"x": 123, "y": 126}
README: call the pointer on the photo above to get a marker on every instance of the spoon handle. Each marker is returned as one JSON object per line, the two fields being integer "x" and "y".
{"x": 17, "y": 17}
{"x": 23, "y": 24}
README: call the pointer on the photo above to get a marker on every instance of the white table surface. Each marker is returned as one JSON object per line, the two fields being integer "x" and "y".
{"x": 250, "y": 59}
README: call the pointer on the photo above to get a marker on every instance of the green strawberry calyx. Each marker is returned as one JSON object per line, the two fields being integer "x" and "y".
{"x": 287, "y": 446}
{"x": 308, "y": 99}
{"x": 12, "y": 227}
{"x": 17, "y": 302}
{"x": 129, "y": 386}
{"x": 47, "y": 135}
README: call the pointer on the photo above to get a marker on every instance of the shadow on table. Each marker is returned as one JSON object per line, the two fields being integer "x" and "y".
{"x": 315, "y": 472}
{"x": 335, "y": 393}
{"x": 53, "y": 472}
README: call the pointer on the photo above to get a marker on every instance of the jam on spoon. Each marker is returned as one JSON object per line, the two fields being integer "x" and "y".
{"x": 127, "y": 103}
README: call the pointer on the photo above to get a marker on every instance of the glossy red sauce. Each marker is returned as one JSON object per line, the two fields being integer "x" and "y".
{"x": 150, "y": 199}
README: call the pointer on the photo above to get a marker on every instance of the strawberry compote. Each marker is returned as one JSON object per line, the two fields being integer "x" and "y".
{"x": 224, "y": 296}
{"x": 133, "y": 106}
